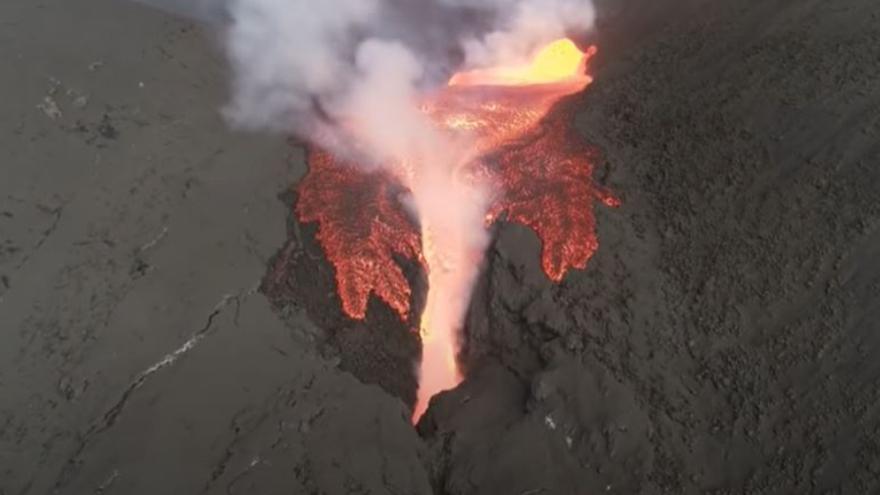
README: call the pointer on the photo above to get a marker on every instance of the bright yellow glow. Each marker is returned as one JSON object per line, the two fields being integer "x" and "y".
{"x": 559, "y": 61}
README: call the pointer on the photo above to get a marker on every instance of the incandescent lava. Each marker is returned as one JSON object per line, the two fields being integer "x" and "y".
{"x": 518, "y": 151}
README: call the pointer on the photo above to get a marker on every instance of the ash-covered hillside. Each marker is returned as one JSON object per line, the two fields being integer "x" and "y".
{"x": 723, "y": 339}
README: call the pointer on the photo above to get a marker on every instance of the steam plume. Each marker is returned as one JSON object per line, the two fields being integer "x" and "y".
{"x": 297, "y": 63}
{"x": 348, "y": 75}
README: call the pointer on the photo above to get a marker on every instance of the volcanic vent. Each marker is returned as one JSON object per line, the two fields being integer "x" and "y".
{"x": 516, "y": 158}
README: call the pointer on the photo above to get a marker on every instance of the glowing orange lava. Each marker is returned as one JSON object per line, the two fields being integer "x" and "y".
{"x": 520, "y": 146}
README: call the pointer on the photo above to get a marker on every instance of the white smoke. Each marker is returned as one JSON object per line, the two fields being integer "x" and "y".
{"x": 305, "y": 66}
{"x": 288, "y": 55}
{"x": 348, "y": 75}
{"x": 382, "y": 103}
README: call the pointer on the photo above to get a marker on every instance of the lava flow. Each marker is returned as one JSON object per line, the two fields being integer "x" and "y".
{"x": 519, "y": 159}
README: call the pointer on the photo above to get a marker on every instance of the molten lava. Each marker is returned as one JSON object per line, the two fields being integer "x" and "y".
{"x": 361, "y": 227}
{"x": 518, "y": 146}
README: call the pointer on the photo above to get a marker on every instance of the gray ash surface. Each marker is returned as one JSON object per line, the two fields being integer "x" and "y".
{"x": 723, "y": 339}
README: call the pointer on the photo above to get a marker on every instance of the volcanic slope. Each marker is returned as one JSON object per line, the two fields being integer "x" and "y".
{"x": 723, "y": 338}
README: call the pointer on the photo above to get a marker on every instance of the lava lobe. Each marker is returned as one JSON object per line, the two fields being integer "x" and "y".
{"x": 361, "y": 227}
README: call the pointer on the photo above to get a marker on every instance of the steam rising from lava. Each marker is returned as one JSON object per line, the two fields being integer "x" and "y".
{"x": 365, "y": 82}
{"x": 509, "y": 136}
{"x": 297, "y": 63}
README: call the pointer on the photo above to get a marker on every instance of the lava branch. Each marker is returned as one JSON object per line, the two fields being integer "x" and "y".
{"x": 452, "y": 245}
{"x": 510, "y": 151}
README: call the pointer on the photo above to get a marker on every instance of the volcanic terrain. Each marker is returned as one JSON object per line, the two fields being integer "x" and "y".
{"x": 169, "y": 325}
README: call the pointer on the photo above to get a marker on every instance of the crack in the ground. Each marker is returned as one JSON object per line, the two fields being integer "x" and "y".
{"x": 109, "y": 418}
{"x": 111, "y": 415}
{"x": 241, "y": 426}
{"x": 255, "y": 461}
{"x": 152, "y": 242}
{"x": 107, "y": 483}
{"x": 56, "y": 212}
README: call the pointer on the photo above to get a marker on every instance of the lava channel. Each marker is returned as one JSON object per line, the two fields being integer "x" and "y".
{"x": 522, "y": 147}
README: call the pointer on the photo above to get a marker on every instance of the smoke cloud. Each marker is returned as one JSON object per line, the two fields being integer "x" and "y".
{"x": 296, "y": 63}
{"x": 306, "y": 67}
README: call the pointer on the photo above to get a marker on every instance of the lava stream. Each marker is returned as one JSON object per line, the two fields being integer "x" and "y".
{"x": 475, "y": 109}
{"x": 515, "y": 157}
{"x": 451, "y": 213}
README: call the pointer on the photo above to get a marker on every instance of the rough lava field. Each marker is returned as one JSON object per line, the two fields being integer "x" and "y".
{"x": 168, "y": 327}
